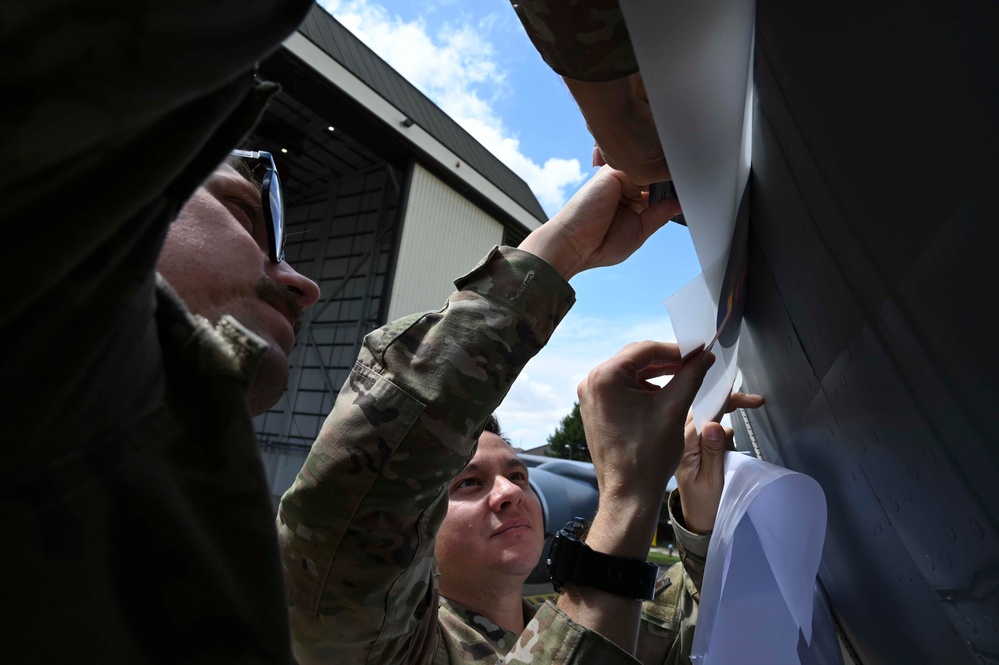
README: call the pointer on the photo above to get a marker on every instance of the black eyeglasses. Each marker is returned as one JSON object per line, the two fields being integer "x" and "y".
{"x": 270, "y": 191}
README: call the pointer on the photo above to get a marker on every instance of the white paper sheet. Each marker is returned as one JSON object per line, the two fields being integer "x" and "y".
{"x": 696, "y": 58}
{"x": 759, "y": 583}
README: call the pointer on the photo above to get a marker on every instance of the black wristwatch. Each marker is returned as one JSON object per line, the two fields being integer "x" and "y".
{"x": 572, "y": 561}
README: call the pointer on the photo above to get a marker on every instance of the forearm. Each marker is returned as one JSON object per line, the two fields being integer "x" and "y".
{"x": 614, "y": 617}
{"x": 358, "y": 527}
{"x": 619, "y": 117}
{"x": 590, "y": 45}
{"x": 666, "y": 633}
{"x": 622, "y": 528}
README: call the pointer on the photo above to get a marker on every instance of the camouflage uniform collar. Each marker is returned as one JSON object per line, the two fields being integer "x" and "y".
{"x": 500, "y": 639}
{"x": 237, "y": 349}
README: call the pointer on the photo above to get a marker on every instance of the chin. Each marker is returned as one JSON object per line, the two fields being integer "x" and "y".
{"x": 270, "y": 381}
{"x": 522, "y": 562}
{"x": 521, "y": 567}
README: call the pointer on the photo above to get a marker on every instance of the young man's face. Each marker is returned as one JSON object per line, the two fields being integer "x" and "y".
{"x": 215, "y": 257}
{"x": 494, "y": 525}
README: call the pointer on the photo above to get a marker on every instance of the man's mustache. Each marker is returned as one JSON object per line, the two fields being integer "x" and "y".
{"x": 284, "y": 297}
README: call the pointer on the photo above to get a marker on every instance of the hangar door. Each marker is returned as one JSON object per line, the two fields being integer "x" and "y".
{"x": 442, "y": 232}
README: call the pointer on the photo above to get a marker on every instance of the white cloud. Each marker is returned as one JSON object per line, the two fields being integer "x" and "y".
{"x": 546, "y": 389}
{"x": 457, "y": 67}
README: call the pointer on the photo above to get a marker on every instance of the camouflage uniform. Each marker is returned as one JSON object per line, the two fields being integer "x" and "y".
{"x": 470, "y": 637}
{"x": 137, "y": 526}
{"x": 586, "y": 40}
{"x": 357, "y": 528}
{"x": 665, "y": 634}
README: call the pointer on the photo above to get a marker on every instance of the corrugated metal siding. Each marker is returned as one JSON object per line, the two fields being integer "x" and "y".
{"x": 342, "y": 240}
{"x": 443, "y": 235}
{"x": 341, "y": 45}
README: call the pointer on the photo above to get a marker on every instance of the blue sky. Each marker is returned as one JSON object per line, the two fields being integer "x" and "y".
{"x": 473, "y": 59}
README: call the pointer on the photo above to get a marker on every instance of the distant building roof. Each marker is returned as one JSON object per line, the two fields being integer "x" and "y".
{"x": 340, "y": 44}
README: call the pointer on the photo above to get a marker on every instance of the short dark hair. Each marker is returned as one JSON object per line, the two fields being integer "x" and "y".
{"x": 492, "y": 426}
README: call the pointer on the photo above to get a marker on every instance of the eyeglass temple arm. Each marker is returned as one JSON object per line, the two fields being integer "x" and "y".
{"x": 252, "y": 154}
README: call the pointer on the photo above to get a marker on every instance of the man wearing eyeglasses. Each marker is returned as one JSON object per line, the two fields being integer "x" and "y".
{"x": 237, "y": 221}
{"x": 137, "y": 520}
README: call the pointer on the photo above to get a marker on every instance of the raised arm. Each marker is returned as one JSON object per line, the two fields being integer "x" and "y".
{"x": 588, "y": 45}
{"x": 358, "y": 527}
{"x": 635, "y": 433}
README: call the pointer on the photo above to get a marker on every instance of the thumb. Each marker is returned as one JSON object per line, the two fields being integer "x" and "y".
{"x": 712, "y": 449}
{"x": 712, "y": 462}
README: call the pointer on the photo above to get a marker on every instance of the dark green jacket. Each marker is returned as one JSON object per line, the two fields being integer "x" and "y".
{"x": 136, "y": 521}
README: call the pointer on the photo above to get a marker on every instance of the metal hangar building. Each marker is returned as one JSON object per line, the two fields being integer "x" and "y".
{"x": 388, "y": 200}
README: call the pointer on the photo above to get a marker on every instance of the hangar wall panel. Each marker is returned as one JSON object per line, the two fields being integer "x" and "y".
{"x": 342, "y": 239}
{"x": 443, "y": 236}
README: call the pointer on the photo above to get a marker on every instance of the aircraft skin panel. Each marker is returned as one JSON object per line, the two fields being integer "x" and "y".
{"x": 874, "y": 247}
{"x": 890, "y": 614}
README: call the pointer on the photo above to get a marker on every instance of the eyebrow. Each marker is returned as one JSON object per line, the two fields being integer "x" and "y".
{"x": 247, "y": 192}
{"x": 236, "y": 179}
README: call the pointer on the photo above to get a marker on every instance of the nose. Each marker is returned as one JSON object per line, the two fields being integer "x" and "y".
{"x": 504, "y": 493}
{"x": 306, "y": 291}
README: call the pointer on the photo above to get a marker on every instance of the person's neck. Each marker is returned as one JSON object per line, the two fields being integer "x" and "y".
{"x": 501, "y": 603}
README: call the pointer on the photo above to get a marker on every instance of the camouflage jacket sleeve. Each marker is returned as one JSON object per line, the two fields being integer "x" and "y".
{"x": 693, "y": 547}
{"x": 668, "y": 620}
{"x": 585, "y": 40}
{"x": 357, "y": 528}
{"x": 552, "y": 638}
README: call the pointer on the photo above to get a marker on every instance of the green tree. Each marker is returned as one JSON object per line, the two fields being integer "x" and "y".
{"x": 569, "y": 440}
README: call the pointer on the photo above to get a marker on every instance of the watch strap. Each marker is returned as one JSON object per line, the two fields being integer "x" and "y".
{"x": 631, "y": 578}
{"x": 571, "y": 561}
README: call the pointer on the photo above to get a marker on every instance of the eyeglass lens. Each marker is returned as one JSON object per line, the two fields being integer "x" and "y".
{"x": 277, "y": 214}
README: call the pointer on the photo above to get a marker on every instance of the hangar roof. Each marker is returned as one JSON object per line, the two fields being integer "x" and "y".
{"x": 346, "y": 49}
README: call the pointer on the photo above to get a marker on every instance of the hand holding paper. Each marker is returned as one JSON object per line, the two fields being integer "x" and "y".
{"x": 700, "y": 477}
{"x": 635, "y": 429}
{"x": 601, "y": 225}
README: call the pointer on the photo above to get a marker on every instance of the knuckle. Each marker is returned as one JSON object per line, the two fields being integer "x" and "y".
{"x": 600, "y": 375}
